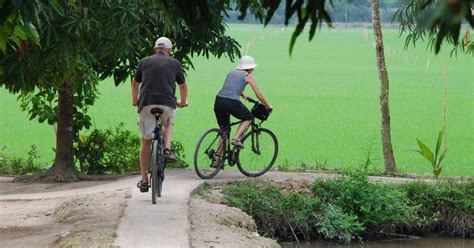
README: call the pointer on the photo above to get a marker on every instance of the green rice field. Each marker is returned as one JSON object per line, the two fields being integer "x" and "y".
{"x": 325, "y": 99}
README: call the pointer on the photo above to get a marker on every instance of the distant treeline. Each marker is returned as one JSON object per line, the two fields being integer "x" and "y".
{"x": 350, "y": 11}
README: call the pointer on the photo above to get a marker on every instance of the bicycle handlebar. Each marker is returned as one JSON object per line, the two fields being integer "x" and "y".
{"x": 251, "y": 100}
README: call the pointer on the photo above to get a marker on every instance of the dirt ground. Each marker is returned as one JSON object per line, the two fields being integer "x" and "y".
{"x": 73, "y": 221}
{"x": 216, "y": 225}
{"x": 7, "y": 187}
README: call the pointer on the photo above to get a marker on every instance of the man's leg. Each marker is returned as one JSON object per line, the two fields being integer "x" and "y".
{"x": 168, "y": 134}
{"x": 145, "y": 158}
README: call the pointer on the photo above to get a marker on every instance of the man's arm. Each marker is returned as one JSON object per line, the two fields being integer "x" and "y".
{"x": 183, "y": 92}
{"x": 135, "y": 88}
{"x": 245, "y": 96}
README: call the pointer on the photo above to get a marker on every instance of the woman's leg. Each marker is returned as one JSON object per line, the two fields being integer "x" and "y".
{"x": 242, "y": 127}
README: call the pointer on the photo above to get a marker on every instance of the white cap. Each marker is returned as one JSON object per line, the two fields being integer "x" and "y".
{"x": 246, "y": 62}
{"x": 163, "y": 42}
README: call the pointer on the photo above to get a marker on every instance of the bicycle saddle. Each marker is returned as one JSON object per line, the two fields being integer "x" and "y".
{"x": 156, "y": 111}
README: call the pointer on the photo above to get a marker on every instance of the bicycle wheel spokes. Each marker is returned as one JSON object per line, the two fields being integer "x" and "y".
{"x": 259, "y": 154}
{"x": 207, "y": 150}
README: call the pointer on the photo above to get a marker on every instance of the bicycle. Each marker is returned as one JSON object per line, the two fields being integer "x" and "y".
{"x": 259, "y": 152}
{"x": 156, "y": 167}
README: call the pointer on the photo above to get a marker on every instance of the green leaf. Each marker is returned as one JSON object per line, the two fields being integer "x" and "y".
{"x": 3, "y": 43}
{"x": 18, "y": 32}
{"x": 425, "y": 151}
{"x": 438, "y": 143}
{"x": 441, "y": 157}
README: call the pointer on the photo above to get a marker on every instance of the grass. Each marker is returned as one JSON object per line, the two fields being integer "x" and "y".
{"x": 325, "y": 98}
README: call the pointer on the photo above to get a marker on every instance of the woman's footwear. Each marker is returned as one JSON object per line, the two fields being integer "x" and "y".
{"x": 217, "y": 161}
{"x": 143, "y": 186}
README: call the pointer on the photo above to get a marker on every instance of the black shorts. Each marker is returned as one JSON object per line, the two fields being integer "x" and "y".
{"x": 224, "y": 107}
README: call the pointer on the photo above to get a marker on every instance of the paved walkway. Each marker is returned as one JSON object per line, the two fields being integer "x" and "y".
{"x": 165, "y": 224}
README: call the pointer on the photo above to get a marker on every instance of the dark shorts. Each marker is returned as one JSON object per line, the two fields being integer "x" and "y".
{"x": 224, "y": 107}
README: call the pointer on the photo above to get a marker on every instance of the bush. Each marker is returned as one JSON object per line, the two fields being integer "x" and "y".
{"x": 13, "y": 166}
{"x": 447, "y": 207}
{"x": 114, "y": 151}
{"x": 335, "y": 224}
{"x": 291, "y": 215}
{"x": 350, "y": 207}
{"x": 378, "y": 206}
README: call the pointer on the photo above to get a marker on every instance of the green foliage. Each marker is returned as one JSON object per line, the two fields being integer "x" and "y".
{"x": 13, "y": 166}
{"x": 108, "y": 152}
{"x": 436, "y": 158}
{"x": 437, "y": 21}
{"x": 447, "y": 205}
{"x": 115, "y": 151}
{"x": 340, "y": 210}
{"x": 377, "y": 206}
{"x": 350, "y": 207}
{"x": 335, "y": 224}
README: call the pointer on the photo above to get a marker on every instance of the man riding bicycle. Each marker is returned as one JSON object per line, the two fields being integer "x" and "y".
{"x": 228, "y": 99}
{"x": 154, "y": 86}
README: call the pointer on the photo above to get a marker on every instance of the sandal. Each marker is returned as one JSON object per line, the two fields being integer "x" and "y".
{"x": 217, "y": 162}
{"x": 143, "y": 186}
{"x": 237, "y": 143}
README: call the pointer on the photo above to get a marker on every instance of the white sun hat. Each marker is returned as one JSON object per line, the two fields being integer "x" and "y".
{"x": 246, "y": 62}
{"x": 163, "y": 42}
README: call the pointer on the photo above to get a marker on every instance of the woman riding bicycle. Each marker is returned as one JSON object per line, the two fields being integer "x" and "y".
{"x": 228, "y": 99}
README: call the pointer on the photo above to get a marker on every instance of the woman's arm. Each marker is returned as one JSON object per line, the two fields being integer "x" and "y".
{"x": 251, "y": 80}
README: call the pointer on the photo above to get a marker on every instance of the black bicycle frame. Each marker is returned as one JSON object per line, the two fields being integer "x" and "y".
{"x": 157, "y": 137}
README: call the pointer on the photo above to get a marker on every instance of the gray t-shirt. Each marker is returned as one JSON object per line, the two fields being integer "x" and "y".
{"x": 234, "y": 85}
{"x": 158, "y": 75}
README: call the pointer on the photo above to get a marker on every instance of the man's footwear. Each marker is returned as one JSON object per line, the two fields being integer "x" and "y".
{"x": 237, "y": 143}
{"x": 143, "y": 186}
{"x": 169, "y": 156}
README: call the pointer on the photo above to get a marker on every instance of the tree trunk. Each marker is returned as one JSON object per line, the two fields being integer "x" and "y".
{"x": 389, "y": 159}
{"x": 63, "y": 168}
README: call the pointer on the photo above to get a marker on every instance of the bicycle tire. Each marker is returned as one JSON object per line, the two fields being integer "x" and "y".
{"x": 160, "y": 171}
{"x": 200, "y": 166}
{"x": 249, "y": 146}
{"x": 154, "y": 171}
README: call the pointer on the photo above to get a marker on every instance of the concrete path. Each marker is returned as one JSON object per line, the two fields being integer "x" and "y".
{"x": 166, "y": 224}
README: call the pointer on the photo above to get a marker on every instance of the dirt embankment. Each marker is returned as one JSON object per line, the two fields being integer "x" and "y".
{"x": 75, "y": 221}
{"x": 216, "y": 225}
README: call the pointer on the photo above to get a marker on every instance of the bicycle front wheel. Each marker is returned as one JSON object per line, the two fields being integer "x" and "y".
{"x": 208, "y": 149}
{"x": 259, "y": 153}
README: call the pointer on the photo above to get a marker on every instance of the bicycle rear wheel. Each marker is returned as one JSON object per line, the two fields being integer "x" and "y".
{"x": 160, "y": 165}
{"x": 205, "y": 154}
{"x": 154, "y": 171}
{"x": 259, "y": 154}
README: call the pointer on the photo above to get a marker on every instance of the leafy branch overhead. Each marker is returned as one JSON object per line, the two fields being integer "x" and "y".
{"x": 308, "y": 12}
{"x": 438, "y": 20}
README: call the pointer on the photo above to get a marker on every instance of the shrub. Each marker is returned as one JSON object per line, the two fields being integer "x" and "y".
{"x": 114, "y": 151}
{"x": 447, "y": 207}
{"x": 350, "y": 207}
{"x": 335, "y": 224}
{"x": 377, "y": 206}
{"x": 291, "y": 215}
{"x": 12, "y": 166}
